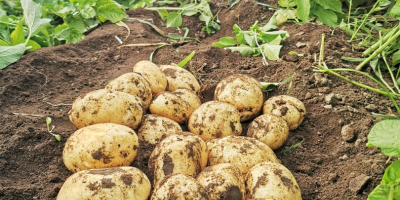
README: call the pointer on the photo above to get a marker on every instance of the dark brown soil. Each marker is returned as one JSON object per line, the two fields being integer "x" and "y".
{"x": 325, "y": 165}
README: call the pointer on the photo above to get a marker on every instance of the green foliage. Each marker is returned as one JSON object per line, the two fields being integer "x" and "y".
{"x": 50, "y": 129}
{"x": 386, "y": 136}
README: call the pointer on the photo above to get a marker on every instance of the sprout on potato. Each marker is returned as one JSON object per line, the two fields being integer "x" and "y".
{"x": 169, "y": 105}
{"x": 153, "y": 74}
{"x": 178, "y": 186}
{"x": 179, "y": 78}
{"x": 155, "y": 128}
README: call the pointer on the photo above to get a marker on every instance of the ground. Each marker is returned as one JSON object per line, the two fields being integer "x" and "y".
{"x": 333, "y": 162}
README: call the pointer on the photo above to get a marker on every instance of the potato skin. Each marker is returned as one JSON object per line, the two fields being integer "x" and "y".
{"x": 153, "y": 74}
{"x": 242, "y": 91}
{"x": 215, "y": 119}
{"x": 189, "y": 96}
{"x": 169, "y": 105}
{"x": 111, "y": 183}
{"x": 183, "y": 153}
{"x": 222, "y": 181}
{"x": 100, "y": 146}
{"x": 270, "y": 129}
{"x": 291, "y": 109}
{"x": 179, "y": 78}
{"x": 178, "y": 186}
{"x": 103, "y": 106}
{"x": 134, "y": 84}
{"x": 155, "y": 128}
{"x": 271, "y": 181}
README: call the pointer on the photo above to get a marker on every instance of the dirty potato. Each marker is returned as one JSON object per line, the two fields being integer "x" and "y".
{"x": 242, "y": 91}
{"x": 178, "y": 186}
{"x": 155, "y": 128}
{"x": 134, "y": 84}
{"x": 103, "y": 106}
{"x": 215, "y": 119}
{"x": 271, "y": 181}
{"x": 100, "y": 146}
{"x": 291, "y": 109}
{"x": 180, "y": 78}
{"x": 222, "y": 181}
{"x": 189, "y": 96}
{"x": 111, "y": 183}
{"x": 153, "y": 74}
{"x": 169, "y": 105}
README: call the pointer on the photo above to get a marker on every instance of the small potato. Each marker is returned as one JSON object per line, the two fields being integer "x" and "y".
{"x": 215, "y": 119}
{"x": 111, "y": 183}
{"x": 183, "y": 153}
{"x": 291, "y": 109}
{"x": 242, "y": 91}
{"x": 178, "y": 186}
{"x": 188, "y": 96}
{"x": 222, "y": 181}
{"x": 271, "y": 181}
{"x": 179, "y": 78}
{"x": 134, "y": 84}
{"x": 103, "y": 106}
{"x": 270, "y": 129}
{"x": 169, "y": 105}
{"x": 241, "y": 151}
{"x": 153, "y": 74}
{"x": 155, "y": 128}
{"x": 100, "y": 146}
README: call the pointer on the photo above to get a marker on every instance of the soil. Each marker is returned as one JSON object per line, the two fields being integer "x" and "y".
{"x": 329, "y": 164}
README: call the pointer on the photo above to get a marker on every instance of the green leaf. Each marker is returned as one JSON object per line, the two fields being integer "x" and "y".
{"x": 243, "y": 49}
{"x": 386, "y": 136}
{"x": 174, "y": 20}
{"x": 390, "y": 181}
{"x": 74, "y": 36}
{"x": 225, "y": 42}
{"x": 395, "y": 11}
{"x": 385, "y": 116}
{"x": 328, "y": 17}
{"x": 392, "y": 173}
{"x": 17, "y": 36}
{"x": 283, "y": 16}
{"x": 33, "y": 44}
{"x": 4, "y": 43}
{"x": 111, "y": 12}
{"x": 58, "y": 137}
{"x": 380, "y": 192}
{"x": 32, "y": 16}
{"x": 265, "y": 85}
{"x": 287, "y": 3}
{"x": 303, "y": 9}
{"x": 187, "y": 59}
{"x": 250, "y": 39}
{"x": 334, "y": 5}
{"x": 396, "y": 58}
{"x": 271, "y": 51}
{"x": 295, "y": 53}
{"x": 10, "y": 54}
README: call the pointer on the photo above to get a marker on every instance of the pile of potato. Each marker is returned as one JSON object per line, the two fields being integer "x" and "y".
{"x": 212, "y": 160}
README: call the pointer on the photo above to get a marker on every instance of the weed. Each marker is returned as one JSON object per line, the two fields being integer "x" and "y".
{"x": 50, "y": 129}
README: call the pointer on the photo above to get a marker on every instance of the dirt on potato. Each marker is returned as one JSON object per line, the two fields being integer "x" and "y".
{"x": 327, "y": 165}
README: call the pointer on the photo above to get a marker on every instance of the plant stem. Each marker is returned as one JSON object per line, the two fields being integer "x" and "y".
{"x": 321, "y": 50}
{"x": 264, "y": 59}
{"x": 390, "y": 72}
{"x": 378, "y": 43}
{"x": 362, "y": 23}
{"x": 350, "y": 5}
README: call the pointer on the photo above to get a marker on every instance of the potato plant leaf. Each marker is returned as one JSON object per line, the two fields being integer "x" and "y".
{"x": 386, "y": 136}
{"x": 271, "y": 51}
{"x": 225, "y": 42}
{"x": 174, "y": 20}
{"x": 334, "y": 5}
{"x": 10, "y": 54}
{"x": 390, "y": 184}
{"x": 303, "y": 9}
{"x": 17, "y": 36}
{"x": 32, "y": 16}
{"x": 328, "y": 17}
{"x": 111, "y": 12}
{"x": 245, "y": 50}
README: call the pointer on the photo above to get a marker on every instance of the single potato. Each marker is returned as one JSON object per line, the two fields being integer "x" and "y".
{"x": 155, "y": 128}
{"x": 179, "y": 78}
{"x": 100, "y": 146}
{"x": 189, "y": 96}
{"x": 215, "y": 119}
{"x": 169, "y": 105}
{"x": 178, "y": 186}
{"x": 112, "y": 183}
{"x": 153, "y": 74}
{"x": 103, "y": 106}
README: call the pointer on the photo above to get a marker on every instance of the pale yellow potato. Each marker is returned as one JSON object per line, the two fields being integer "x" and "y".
{"x": 183, "y": 153}
{"x": 155, "y": 128}
{"x": 169, "y": 105}
{"x": 215, "y": 119}
{"x": 153, "y": 74}
{"x": 103, "y": 106}
{"x": 243, "y": 152}
{"x": 189, "y": 96}
{"x": 179, "y": 187}
{"x": 180, "y": 78}
{"x": 242, "y": 91}
{"x": 291, "y": 109}
{"x": 270, "y": 129}
{"x": 271, "y": 181}
{"x": 122, "y": 183}
{"x": 222, "y": 181}
{"x": 100, "y": 146}
{"x": 134, "y": 84}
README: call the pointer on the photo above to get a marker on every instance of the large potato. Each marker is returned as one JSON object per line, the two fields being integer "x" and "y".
{"x": 271, "y": 181}
{"x": 100, "y": 146}
{"x": 183, "y": 153}
{"x": 242, "y": 91}
{"x": 134, "y": 84}
{"x": 243, "y": 152}
{"x": 189, "y": 96}
{"x": 270, "y": 129}
{"x": 153, "y": 74}
{"x": 215, "y": 119}
{"x": 169, "y": 105}
{"x": 179, "y": 78}
{"x": 178, "y": 186}
{"x": 155, "y": 128}
{"x": 112, "y": 183}
{"x": 291, "y": 109}
{"x": 222, "y": 181}
{"x": 103, "y": 106}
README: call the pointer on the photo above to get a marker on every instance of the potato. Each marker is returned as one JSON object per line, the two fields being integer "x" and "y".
{"x": 242, "y": 91}
{"x": 270, "y": 129}
{"x": 155, "y": 128}
{"x": 169, "y": 105}
{"x": 111, "y": 183}
{"x": 178, "y": 186}
{"x": 189, "y": 96}
{"x": 183, "y": 153}
{"x": 103, "y": 106}
{"x": 241, "y": 151}
{"x": 291, "y": 109}
{"x": 222, "y": 181}
{"x": 100, "y": 146}
{"x": 134, "y": 84}
{"x": 271, "y": 181}
{"x": 215, "y": 119}
{"x": 153, "y": 74}
{"x": 179, "y": 78}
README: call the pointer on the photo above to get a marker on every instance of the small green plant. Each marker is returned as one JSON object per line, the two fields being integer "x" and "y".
{"x": 50, "y": 129}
